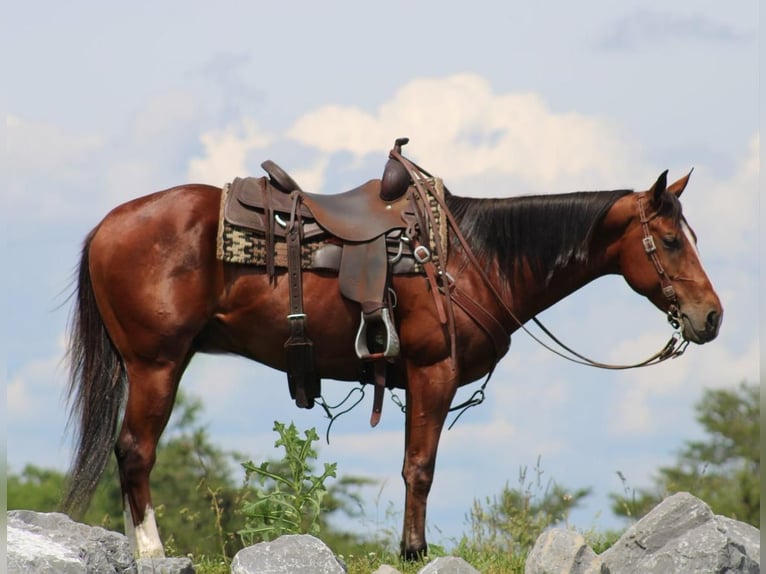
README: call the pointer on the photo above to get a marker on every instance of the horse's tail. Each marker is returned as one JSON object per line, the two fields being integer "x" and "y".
{"x": 96, "y": 392}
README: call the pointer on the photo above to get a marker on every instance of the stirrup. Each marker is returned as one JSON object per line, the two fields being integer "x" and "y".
{"x": 392, "y": 340}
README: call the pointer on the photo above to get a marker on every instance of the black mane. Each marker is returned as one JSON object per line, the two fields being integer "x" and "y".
{"x": 546, "y": 231}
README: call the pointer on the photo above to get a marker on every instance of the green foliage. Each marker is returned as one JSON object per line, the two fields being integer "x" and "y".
{"x": 511, "y": 522}
{"x": 724, "y": 470}
{"x": 35, "y": 489}
{"x": 287, "y": 498}
{"x": 196, "y": 498}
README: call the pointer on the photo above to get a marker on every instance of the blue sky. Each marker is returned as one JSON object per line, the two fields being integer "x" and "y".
{"x": 103, "y": 103}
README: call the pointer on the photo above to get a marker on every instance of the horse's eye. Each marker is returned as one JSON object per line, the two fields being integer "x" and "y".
{"x": 671, "y": 242}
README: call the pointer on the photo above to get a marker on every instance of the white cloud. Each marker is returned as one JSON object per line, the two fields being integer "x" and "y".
{"x": 226, "y": 152}
{"x": 33, "y": 145}
{"x": 163, "y": 116}
{"x": 34, "y": 382}
{"x": 36, "y": 417}
{"x": 726, "y": 209}
{"x": 464, "y": 129}
{"x": 35, "y": 152}
{"x": 713, "y": 366}
{"x": 312, "y": 178}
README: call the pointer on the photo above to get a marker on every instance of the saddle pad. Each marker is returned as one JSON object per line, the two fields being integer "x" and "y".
{"x": 238, "y": 244}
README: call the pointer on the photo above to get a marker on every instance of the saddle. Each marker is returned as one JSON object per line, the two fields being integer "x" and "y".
{"x": 365, "y": 234}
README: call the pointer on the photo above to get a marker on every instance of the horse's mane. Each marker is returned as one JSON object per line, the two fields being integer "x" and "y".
{"x": 546, "y": 231}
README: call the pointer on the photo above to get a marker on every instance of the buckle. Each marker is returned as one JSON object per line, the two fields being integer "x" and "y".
{"x": 421, "y": 254}
{"x": 649, "y": 245}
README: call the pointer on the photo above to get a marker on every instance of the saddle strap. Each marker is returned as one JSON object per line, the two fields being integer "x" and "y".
{"x": 302, "y": 377}
{"x": 501, "y": 340}
{"x": 297, "y": 317}
{"x": 380, "y": 367}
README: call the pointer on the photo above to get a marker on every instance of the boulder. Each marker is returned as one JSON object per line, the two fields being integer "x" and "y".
{"x": 683, "y": 535}
{"x": 448, "y": 565}
{"x": 680, "y": 535}
{"x": 39, "y": 542}
{"x": 289, "y": 554}
{"x": 559, "y": 550}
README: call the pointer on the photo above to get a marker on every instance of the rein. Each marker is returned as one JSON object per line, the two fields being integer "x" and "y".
{"x": 675, "y": 346}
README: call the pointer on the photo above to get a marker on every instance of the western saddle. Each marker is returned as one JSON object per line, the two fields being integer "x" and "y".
{"x": 384, "y": 226}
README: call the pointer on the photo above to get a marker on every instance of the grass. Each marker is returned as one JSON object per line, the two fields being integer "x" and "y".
{"x": 485, "y": 562}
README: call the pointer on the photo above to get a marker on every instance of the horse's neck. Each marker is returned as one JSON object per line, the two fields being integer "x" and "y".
{"x": 555, "y": 232}
{"x": 529, "y": 295}
{"x": 535, "y": 296}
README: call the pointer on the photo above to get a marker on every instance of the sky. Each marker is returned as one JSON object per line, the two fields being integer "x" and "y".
{"x": 102, "y": 103}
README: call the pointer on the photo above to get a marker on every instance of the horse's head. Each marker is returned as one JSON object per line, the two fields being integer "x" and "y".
{"x": 659, "y": 259}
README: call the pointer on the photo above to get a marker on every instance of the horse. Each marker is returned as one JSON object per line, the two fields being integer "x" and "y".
{"x": 151, "y": 293}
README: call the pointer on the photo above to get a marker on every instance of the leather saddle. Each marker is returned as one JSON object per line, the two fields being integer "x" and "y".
{"x": 362, "y": 221}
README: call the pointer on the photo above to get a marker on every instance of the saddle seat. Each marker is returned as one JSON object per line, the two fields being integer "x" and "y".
{"x": 358, "y": 215}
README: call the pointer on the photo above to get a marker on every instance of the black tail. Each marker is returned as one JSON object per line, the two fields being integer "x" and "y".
{"x": 96, "y": 392}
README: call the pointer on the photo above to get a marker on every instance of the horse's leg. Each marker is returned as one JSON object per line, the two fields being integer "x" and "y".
{"x": 151, "y": 394}
{"x": 430, "y": 391}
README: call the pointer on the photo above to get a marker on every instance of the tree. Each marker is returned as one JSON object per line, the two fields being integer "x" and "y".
{"x": 35, "y": 489}
{"x": 724, "y": 470}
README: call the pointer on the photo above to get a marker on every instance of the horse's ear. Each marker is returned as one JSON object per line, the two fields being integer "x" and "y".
{"x": 678, "y": 187}
{"x": 659, "y": 188}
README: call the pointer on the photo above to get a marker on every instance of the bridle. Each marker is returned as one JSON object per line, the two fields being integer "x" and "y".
{"x": 675, "y": 346}
{"x": 677, "y": 343}
{"x": 674, "y": 314}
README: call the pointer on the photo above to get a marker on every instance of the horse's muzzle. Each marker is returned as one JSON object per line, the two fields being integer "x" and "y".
{"x": 703, "y": 327}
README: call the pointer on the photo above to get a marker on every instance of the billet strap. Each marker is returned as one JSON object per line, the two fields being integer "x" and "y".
{"x": 297, "y": 317}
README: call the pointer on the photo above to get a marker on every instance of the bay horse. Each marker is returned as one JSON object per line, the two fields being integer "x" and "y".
{"x": 151, "y": 293}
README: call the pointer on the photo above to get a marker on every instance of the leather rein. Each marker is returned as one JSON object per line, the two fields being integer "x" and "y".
{"x": 499, "y": 336}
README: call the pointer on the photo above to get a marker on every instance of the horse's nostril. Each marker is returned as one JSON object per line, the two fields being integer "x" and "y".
{"x": 713, "y": 319}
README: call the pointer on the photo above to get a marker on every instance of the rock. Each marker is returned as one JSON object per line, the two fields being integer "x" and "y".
{"x": 178, "y": 565}
{"x": 683, "y": 535}
{"x": 386, "y": 569}
{"x": 289, "y": 554}
{"x": 448, "y": 565}
{"x": 560, "y": 550}
{"x": 41, "y": 542}
{"x": 680, "y": 535}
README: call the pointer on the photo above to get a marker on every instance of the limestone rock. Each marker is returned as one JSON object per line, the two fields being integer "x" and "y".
{"x": 289, "y": 554}
{"x": 559, "y": 550}
{"x": 448, "y": 565}
{"x": 683, "y": 535}
{"x": 41, "y": 543}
